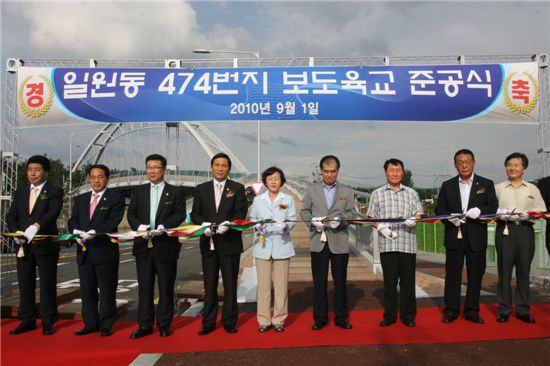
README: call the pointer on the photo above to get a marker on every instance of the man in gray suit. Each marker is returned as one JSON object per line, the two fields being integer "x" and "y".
{"x": 325, "y": 207}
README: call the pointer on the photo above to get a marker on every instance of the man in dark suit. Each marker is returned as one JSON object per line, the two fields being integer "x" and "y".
{"x": 95, "y": 214}
{"x": 215, "y": 204}
{"x": 544, "y": 187}
{"x": 35, "y": 209}
{"x": 465, "y": 237}
{"x": 156, "y": 206}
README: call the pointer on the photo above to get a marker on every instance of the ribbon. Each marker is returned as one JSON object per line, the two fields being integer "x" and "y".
{"x": 194, "y": 231}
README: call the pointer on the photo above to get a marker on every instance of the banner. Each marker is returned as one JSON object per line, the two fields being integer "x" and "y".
{"x": 481, "y": 93}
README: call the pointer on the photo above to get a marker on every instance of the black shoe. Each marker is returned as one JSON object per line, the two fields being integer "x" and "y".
{"x": 205, "y": 331}
{"x": 502, "y": 318}
{"x": 344, "y": 325}
{"x": 231, "y": 329}
{"x": 106, "y": 332}
{"x": 474, "y": 319}
{"x": 386, "y": 322}
{"x": 279, "y": 328}
{"x": 85, "y": 330}
{"x": 318, "y": 326}
{"x": 449, "y": 318}
{"x": 22, "y": 328}
{"x": 409, "y": 323}
{"x": 48, "y": 329}
{"x": 141, "y": 332}
{"x": 527, "y": 318}
{"x": 263, "y": 328}
{"x": 165, "y": 331}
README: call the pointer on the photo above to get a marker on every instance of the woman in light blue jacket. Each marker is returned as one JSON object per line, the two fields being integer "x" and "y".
{"x": 273, "y": 248}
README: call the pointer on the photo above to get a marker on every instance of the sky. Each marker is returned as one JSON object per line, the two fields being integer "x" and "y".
{"x": 68, "y": 30}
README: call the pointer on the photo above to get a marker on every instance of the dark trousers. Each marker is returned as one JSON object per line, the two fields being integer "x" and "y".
{"x": 339, "y": 270}
{"x": 516, "y": 249}
{"x": 229, "y": 266}
{"x": 399, "y": 269}
{"x": 105, "y": 278}
{"x": 26, "y": 277}
{"x": 475, "y": 267}
{"x": 147, "y": 268}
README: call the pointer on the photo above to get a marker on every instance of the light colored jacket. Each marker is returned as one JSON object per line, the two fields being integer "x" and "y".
{"x": 276, "y": 245}
{"x": 314, "y": 204}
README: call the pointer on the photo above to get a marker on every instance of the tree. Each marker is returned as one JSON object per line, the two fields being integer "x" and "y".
{"x": 407, "y": 179}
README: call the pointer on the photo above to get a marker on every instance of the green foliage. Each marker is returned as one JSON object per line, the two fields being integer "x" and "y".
{"x": 430, "y": 237}
{"x": 407, "y": 179}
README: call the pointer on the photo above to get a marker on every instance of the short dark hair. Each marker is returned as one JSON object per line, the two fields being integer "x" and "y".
{"x": 516, "y": 155}
{"x": 327, "y": 158}
{"x": 270, "y": 171}
{"x": 99, "y": 166}
{"x": 464, "y": 152}
{"x": 161, "y": 158}
{"x": 394, "y": 161}
{"x": 39, "y": 159}
{"x": 222, "y": 156}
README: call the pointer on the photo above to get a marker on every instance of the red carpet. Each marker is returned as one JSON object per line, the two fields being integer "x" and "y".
{"x": 64, "y": 348}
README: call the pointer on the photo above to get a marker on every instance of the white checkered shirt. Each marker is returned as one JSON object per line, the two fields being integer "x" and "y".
{"x": 403, "y": 203}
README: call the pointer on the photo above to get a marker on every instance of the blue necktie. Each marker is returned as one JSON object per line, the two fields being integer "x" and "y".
{"x": 154, "y": 204}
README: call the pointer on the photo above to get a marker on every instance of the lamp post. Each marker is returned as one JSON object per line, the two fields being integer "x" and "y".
{"x": 259, "y": 131}
{"x": 71, "y": 170}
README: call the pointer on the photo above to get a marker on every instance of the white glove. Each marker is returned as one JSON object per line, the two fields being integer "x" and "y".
{"x": 87, "y": 235}
{"x": 19, "y": 241}
{"x": 504, "y": 217}
{"x": 524, "y": 215}
{"x": 222, "y": 228}
{"x": 473, "y": 213}
{"x": 159, "y": 231}
{"x": 317, "y": 222}
{"x": 456, "y": 221}
{"x": 280, "y": 227}
{"x": 334, "y": 223}
{"x": 410, "y": 222}
{"x": 503, "y": 214}
{"x": 385, "y": 230}
{"x": 30, "y": 232}
{"x": 78, "y": 232}
{"x": 143, "y": 227}
{"x": 208, "y": 232}
{"x": 260, "y": 229}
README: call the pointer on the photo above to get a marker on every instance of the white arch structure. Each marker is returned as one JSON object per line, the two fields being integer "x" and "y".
{"x": 208, "y": 141}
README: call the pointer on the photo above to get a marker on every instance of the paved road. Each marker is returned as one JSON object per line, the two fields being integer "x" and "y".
{"x": 189, "y": 268}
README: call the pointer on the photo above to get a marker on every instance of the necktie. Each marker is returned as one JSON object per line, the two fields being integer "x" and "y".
{"x": 32, "y": 198}
{"x": 154, "y": 204}
{"x": 218, "y": 195}
{"x": 93, "y": 205}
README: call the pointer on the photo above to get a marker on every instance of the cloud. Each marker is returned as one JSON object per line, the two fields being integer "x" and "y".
{"x": 284, "y": 141}
{"x": 112, "y": 30}
{"x": 403, "y": 28}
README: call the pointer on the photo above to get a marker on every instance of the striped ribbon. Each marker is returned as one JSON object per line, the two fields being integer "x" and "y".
{"x": 194, "y": 231}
